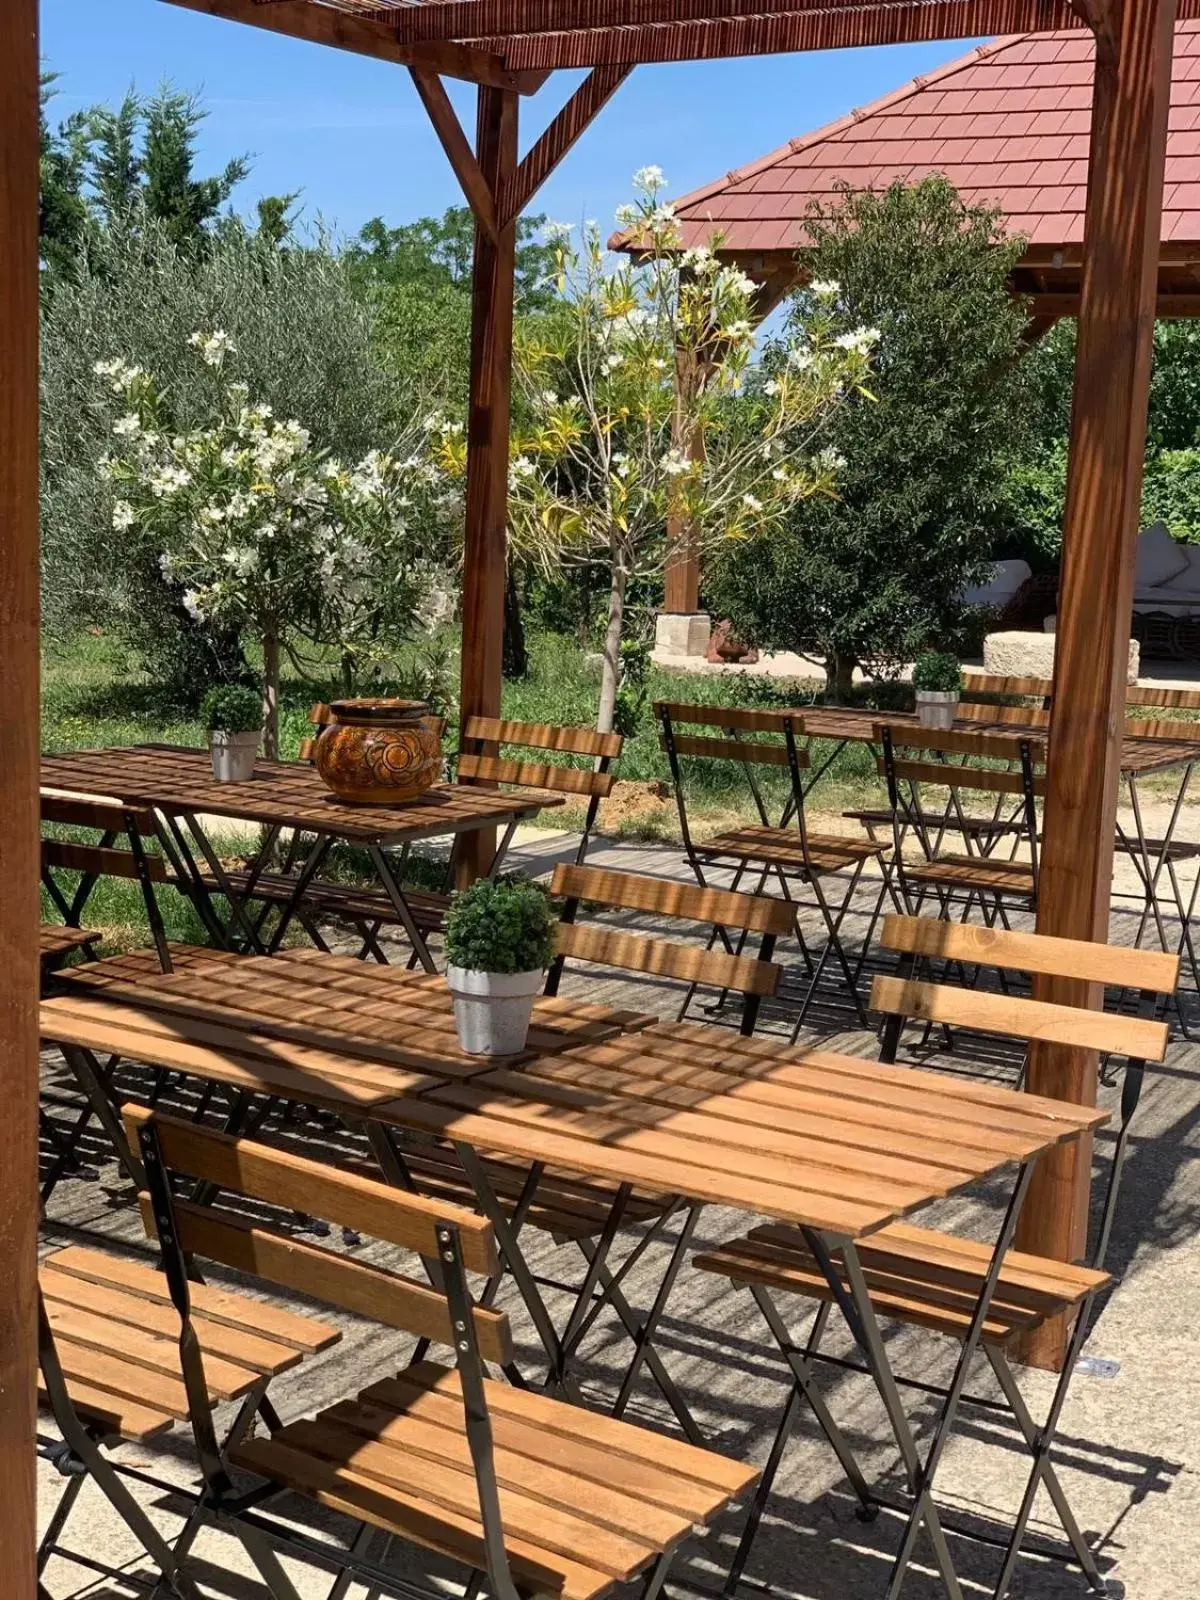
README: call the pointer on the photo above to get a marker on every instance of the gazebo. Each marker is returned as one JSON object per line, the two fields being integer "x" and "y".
{"x": 507, "y": 48}
{"x": 1008, "y": 125}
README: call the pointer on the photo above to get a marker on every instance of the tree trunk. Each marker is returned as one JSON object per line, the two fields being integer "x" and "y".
{"x": 610, "y": 673}
{"x": 270, "y": 695}
{"x": 516, "y": 655}
{"x": 839, "y": 679}
{"x": 347, "y": 674}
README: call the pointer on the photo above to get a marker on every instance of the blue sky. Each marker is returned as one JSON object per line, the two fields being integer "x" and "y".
{"x": 352, "y": 135}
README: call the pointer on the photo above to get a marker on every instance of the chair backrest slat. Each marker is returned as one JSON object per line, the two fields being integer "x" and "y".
{"x": 1154, "y": 970}
{"x": 1018, "y": 716}
{"x": 987, "y": 744}
{"x": 745, "y": 718}
{"x": 100, "y": 860}
{"x": 308, "y": 1269}
{"x": 544, "y": 736}
{"x": 1020, "y": 1018}
{"x": 977, "y": 683}
{"x": 283, "y": 1178}
{"x": 634, "y": 952}
{"x": 1166, "y": 699}
{"x": 986, "y": 779}
{"x": 631, "y": 891}
{"x": 536, "y": 775}
{"x": 95, "y": 811}
{"x": 747, "y": 751}
{"x": 1171, "y": 730}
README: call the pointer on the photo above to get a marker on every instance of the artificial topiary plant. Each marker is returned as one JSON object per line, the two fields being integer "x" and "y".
{"x": 500, "y": 925}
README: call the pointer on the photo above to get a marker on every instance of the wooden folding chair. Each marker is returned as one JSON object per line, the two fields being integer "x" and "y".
{"x": 525, "y": 1493}
{"x": 722, "y": 910}
{"x": 784, "y": 854}
{"x": 915, "y": 761}
{"x": 111, "y": 1374}
{"x": 932, "y": 1280}
{"x": 120, "y": 852}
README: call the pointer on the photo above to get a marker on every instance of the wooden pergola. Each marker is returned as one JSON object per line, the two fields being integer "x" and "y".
{"x": 508, "y": 48}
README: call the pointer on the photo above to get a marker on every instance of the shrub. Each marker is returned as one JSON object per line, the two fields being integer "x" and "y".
{"x": 232, "y": 708}
{"x": 937, "y": 672}
{"x": 500, "y": 925}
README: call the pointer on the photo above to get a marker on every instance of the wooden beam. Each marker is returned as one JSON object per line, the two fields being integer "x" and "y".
{"x": 592, "y": 95}
{"x": 458, "y": 149}
{"x": 493, "y": 273}
{"x": 803, "y": 27}
{"x": 364, "y": 36}
{"x": 1166, "y": 306}
{"x": 19, "y": 893}
{"x": 1131, "y": 99}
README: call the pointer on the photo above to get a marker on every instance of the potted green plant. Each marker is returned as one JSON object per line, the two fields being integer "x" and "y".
{"x": 232, "y": 713}
{"x": 499, "y": 941}
{"x": 937, "y": 679}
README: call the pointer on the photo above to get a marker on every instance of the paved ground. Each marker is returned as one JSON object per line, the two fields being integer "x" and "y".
{"x": 1130, "y": 1435}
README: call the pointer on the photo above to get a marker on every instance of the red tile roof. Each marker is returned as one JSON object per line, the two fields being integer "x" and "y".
{"x": 1007, "y": 124}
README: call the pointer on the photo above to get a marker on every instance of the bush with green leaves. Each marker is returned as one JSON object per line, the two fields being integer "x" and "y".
{"x": 500, "y": 925}
{"x": 869, "y": 574}
{"x": 305, "y": 346}
{"x": 232, "y": 708}
{"x": 937, "y": 672}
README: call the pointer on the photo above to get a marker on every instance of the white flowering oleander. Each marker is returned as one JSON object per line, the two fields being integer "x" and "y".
{"x": 556, "y": 232}
{"x": 700, "y": 260}
{"x": 122, "y": 515}
{"x": 825, "y": 288}
{"x": 649, "y": 180}
{"x": 213, "y": 347}
{"x": 627, "y": 214}
{"x": 858, "y": 340}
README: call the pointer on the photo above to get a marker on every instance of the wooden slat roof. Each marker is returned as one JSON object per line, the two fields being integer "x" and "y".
{"x": 514, "y": 43}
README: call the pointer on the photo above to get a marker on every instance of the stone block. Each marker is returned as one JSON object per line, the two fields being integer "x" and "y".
{"x": 1031, "y": 655}
{"x": 682, "y": 633}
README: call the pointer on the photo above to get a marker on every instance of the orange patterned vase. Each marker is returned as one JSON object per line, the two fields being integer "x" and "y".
{"x": 379, "y": 752}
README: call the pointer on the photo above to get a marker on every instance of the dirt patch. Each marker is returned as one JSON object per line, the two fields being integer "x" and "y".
{"x": 631, "y": 803}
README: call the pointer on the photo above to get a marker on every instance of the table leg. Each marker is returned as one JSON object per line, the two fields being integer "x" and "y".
{"x": 237, "y": 910}
{"x": 91, "y": 1080}
{"x": 312, "y": 865}
{"x": 396, "y": 895}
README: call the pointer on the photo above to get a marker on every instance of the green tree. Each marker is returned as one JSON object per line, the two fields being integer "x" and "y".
{"x": 64, "y": 212}
{"x": 435, "y": 252}
{"x": 871, "y": 575}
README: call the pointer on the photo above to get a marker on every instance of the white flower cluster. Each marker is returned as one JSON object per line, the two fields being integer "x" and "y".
{"x": 858, "y": 340}
{"x": 213, "y": 347}
{"x": 649, "y": 180}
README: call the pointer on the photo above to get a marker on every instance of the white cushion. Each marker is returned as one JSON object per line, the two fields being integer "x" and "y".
{"x": 1159, "y": 558}
{"x": 1007, "y": 577}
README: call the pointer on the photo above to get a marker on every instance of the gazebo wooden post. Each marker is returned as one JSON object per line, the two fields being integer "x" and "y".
{"x": 485, "y": 539}
{"x": 19, "y": 894}
{"x": 1104, "y": 480}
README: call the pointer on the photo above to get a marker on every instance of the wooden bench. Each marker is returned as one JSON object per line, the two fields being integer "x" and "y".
{"x": 531, "y": 1493}
{"x": 56, "y": 942}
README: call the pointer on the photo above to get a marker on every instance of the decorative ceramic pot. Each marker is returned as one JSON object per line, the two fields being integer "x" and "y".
{"x": 492, "y": 1010}
{"x": 379, "y": 752}
{"x": 937, "y": 708}
{"x": 233, "y": 755}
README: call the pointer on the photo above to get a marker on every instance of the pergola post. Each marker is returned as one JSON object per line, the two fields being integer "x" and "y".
{"x": 1131, "y": 98}
{"x": 485, "y": 537}
{"x": 19, "y": 893}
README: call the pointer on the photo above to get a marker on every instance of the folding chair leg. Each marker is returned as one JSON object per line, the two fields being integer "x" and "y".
{"x": 260, "y": 1550}
{"x": 58, "y": 1519}
{"x": 1039, "y": 1442}
{"x": 802, "y": 1376}
{"x": 645, "y": 1337}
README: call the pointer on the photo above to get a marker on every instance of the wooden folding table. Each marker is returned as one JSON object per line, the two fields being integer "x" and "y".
{"x": 281, "y": 796}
